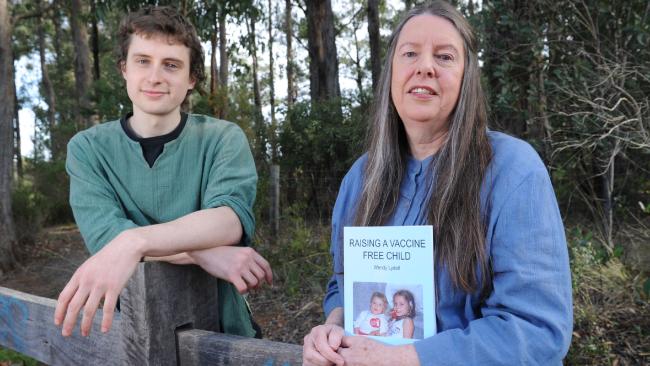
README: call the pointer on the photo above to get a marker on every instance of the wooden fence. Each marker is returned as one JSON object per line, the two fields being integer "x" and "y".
{"x": 168, "y": 317}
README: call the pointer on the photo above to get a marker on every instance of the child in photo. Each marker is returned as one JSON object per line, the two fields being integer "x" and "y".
{"x": 401, "y": 324}
{"x": 375, "y": 321}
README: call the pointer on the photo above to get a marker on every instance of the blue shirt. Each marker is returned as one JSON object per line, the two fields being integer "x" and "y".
{"x": 528, "y": 317}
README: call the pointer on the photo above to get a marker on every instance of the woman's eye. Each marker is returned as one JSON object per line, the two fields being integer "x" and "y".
{"x": 445, "y": 57}
{"x": 410, "y": 54}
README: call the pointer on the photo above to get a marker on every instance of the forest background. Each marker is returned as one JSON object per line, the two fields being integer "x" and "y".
{"x": 571, "y": 77}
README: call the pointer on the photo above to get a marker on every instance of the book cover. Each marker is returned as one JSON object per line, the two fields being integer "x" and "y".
{"x": 389, "y": 284}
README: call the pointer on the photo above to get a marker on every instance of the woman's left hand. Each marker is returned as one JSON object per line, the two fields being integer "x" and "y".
{"x": 365, "y": 351}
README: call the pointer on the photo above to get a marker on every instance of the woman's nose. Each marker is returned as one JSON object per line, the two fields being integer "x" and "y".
{"x": 426, "y": 66}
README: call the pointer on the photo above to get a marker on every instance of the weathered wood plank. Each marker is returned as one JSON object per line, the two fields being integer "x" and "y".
{"x": 158, "y": 299}
{"x": 199, "y": 347}
{"x": 27, "y": 326}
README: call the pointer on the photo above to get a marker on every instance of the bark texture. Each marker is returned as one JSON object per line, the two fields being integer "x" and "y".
{"x": 323, "y": 60}
{"x": 373, "y": 33}
{"x": 7, "y": 231}
{"x": 82, "y": 68}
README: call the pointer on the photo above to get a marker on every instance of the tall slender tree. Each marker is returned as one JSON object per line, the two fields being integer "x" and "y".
{"x": 94, "y": 38}
{"x": 17, "y": 148}
{"x": 373, "y": 33}
{"x": 288, "y": 24}
{"x": 271, "y": 57}
{"x": 82, "y": 69}
{"x": 323, "y": 60}
{"x": 48, "y": 89}
{"x": 223, "y": 61}
{"x": 7, "y": 230}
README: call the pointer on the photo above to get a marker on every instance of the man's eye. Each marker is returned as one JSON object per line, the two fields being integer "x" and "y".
{"x": 171, "y": 66}
{"x": 141, "y": 61}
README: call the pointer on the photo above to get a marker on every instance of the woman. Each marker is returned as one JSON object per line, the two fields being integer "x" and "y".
{"x": 503, "y": 288}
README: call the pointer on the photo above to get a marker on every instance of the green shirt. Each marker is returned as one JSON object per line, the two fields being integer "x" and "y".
{"x": 112, "y": 188}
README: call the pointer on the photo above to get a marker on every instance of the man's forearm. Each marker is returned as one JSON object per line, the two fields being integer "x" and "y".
{"x": 196, "y": 231}
{"x": 180, "y": 258}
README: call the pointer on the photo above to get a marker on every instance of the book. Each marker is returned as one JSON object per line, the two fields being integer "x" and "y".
{"x": 389, "y": 284}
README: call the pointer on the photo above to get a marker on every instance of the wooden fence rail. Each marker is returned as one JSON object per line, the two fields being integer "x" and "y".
{"x": 168, "y": 317}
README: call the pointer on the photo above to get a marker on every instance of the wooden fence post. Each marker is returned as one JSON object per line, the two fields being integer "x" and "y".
{"x": 168, "y": 316}
{"x": 275, "y": 201}
{"x": 159, "y": 299}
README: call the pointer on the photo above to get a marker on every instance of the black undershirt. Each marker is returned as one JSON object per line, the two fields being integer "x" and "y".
{"x": 152, "y": 147}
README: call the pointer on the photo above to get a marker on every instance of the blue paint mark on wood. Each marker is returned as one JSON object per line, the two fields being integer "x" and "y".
{"x": 271, "y": 362}
{"x": 13, "y": 316}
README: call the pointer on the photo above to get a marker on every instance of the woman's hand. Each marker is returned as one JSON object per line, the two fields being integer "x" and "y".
{"x": 320, "y": 346}
{"x": 365, "y": 351}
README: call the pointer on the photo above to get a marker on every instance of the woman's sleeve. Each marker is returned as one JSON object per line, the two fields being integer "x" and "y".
{"x": 344, "y": 206}
{"x": 527, "y": 319}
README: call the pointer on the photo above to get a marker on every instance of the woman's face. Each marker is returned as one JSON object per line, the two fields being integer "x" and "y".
{"x": 428, "y": 67}
{"x": 401, "y": 306}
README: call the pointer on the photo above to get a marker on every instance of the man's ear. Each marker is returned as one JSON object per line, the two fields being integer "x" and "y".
{"x": 123, "y": 68}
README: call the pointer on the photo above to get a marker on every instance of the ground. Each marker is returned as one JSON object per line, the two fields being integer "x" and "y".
{"x": 48, "y": 265}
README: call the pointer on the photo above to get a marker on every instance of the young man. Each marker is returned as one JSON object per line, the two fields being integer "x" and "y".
{"x": 161, "y": 184}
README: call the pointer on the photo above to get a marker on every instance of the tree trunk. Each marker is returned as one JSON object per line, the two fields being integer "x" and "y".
{"x": 58, "y": 34}
{"x": 291, "y": 90}
{"x": 271, "y": 81}
{"x": 608, "y": 204}
{"x": 48, "y": 90}
{"x": 260, "y": 133}
{"x": 470, "y": 8}
{"x": 214, "y": 71}
{"x": 17, "y": 148}
{"x": 357, "y": 58}
{"x": 375, "y": 47}
{"x": 82, "y": 72}
{"x": 274, "y": 126}
{"x": 95, "y": 40}
{"x": 223, "y": 64}
{"x": 323, "y": 60}
{"x": 7, "y": 231}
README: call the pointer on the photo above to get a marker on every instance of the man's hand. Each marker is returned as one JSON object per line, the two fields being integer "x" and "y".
{"x": 241, "y": 266}
{"x": 102, "y": 276}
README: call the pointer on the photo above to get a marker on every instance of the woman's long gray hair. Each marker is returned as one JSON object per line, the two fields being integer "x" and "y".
{"x": 454, "y": 206}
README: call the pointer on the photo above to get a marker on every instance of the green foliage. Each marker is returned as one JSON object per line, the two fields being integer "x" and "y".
{"x": 300, "y": 256}
{"x": 318, "y": 145}
{"x": 13, "y": 358}
{"x": 27, "y": 207}
{"x": 611, "y": 310}
{"x": 51, "y": 185}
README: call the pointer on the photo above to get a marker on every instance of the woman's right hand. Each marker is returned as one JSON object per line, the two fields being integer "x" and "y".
{"x": 321, "y": 344}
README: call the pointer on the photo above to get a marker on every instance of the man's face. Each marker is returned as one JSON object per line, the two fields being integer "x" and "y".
{"x": 157, "y": 75}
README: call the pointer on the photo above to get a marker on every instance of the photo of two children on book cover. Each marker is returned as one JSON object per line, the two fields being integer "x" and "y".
{"x": 388, "y": 310}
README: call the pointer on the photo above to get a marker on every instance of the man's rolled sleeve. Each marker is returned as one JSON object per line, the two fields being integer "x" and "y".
{"x": 232, "y": 179}
{"x": 96, "y": 208}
